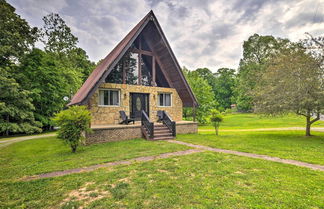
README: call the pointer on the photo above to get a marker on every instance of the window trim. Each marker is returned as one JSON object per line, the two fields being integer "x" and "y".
{"x": 109, "y": 89}
{"x": 158, "y": 99}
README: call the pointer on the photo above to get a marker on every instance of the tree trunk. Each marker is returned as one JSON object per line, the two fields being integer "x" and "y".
{"x": 308, "y": 125}
{"x": 216, "y": 129}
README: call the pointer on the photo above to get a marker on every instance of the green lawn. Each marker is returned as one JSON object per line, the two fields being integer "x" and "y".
{"x": 253, "y": 121}
{"x": 284, "y": 144}
{"x": 51, "y": 154}
{"x": 202, "y": 180}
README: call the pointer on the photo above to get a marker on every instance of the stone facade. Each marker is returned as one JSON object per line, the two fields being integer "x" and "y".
{"x": 102, "y": 115}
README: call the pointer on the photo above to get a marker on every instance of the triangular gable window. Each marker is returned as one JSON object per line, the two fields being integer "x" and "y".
{"x": 136, "y": 67}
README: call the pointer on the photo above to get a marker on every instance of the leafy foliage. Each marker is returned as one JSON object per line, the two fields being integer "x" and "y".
{"x": 73, "y": 123}
{"x": 224, "y": 87}
{"x": 204, "y": 94}
{"x": 56, "y": 35}
{"x": 43, "y": 76}
{"x": 16, "y": 108}
{"x": 257, "y": 51}
{"x": 292, "y": 82}
{"x": 16, "y": 36}
{"x": 215, "y": 119}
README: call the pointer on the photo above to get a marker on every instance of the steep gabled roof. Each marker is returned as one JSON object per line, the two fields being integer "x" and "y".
{"x": 105, "y": 67}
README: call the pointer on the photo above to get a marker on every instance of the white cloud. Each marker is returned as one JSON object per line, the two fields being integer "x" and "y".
{"x": 202, "y": 33}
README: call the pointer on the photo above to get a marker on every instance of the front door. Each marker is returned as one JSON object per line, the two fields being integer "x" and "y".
{"x": 139, "y": 102}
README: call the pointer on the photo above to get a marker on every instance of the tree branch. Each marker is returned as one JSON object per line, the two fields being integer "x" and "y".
{"x": 299, "y": 113}
{"x": 315, "y": 119}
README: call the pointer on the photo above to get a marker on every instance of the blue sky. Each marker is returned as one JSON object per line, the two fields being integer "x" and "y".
{"x": 206, "y": 33}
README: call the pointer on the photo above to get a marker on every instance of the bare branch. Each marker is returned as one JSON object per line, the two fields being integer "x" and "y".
{"x": 314, "y": 39}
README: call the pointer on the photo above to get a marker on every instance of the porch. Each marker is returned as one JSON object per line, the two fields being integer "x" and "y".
{"x": 118, "y": 132}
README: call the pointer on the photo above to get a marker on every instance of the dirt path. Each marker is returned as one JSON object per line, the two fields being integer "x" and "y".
{"x": 105, "y": 165}
{"x": 245, "y": 154}
{"x": 269, "y": 129}
{"x": 7, "y": 142}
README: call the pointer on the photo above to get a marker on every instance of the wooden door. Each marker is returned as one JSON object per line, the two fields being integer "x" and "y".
{"x": 138, "y": 103}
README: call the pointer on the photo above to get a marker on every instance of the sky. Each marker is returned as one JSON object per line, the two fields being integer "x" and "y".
{"x": 202, "y": 33}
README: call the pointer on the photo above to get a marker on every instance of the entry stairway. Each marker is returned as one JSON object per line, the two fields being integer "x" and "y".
{"x": 158, "y": 131}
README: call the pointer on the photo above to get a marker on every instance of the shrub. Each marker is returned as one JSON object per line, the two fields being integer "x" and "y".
{"x": 73, "y": 123}
{"x": 215, "y": 119}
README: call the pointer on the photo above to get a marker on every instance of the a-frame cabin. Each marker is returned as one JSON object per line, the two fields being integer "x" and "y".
{"x": 141, "y": 79}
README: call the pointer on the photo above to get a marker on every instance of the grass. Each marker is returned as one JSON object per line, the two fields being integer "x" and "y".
{"x": 254, "y": 121}
{"x": 201, "y": 180}
{"x": 51, "y": 154}
{"x": 284, "y": 144}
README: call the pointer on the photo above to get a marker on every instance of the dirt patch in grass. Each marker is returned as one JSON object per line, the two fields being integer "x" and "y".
{"x": 83, "y": 196}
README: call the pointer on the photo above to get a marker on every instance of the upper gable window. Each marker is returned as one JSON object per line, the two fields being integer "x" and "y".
{"x": 146, "y": 70}
{"x": 131, "y": 68}
{"x": 136, "y": 67}
{"x": 116, "y": 75}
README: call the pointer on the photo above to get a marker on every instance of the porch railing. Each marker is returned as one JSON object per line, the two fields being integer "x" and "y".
{"x": 147, "y": 125}
{"x": 166, "y": 119}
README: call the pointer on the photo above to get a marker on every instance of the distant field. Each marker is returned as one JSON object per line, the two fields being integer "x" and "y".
{"x": 252, "y": 121}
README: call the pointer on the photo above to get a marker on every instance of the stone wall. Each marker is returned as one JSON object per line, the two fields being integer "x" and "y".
{"x": 102, "y": 115}
{"x": 125, "y": 132}
{"x": 187, "y": 127}
{"x": 111, "y": 134}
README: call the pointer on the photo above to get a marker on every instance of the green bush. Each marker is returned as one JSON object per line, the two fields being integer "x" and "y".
{"x": 73, "y": 123}
{"x": 215, "y": 119}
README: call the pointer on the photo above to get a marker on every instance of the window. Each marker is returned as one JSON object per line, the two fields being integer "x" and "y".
{"x": 131, "y": 66}
{"x": 146, "y": 70}
{"x": 116, "y": 75}
{"x": 108, "y": 97}
{"x": 164, "y": 99}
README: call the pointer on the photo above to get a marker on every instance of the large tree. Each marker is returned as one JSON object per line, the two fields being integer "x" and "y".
{"x": 257, "y": 50}
{"x": 62, "y": 45}
{"x": 16, "y": 36}
{"x": 293, "y": 81}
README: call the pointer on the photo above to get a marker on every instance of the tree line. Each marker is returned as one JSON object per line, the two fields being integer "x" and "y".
{"x": 35, "y": 81}
{"x": 275, "y": 76}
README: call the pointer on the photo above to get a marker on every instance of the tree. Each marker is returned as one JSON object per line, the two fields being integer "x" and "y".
{"x": 224, "y": 87}
{"x": 16, "y": 108}
{"x": 257, "y": 51}
{"x": 215, "y": 119}
{"x": 16, "y": 36}
{"x": 73, "y": 123}
{"x": 204, "y": 94}
{"x": 57, "y": 36}
{"x": 292, "y": 82}
{"x": 42, "y": 75}
{"x": 62, "y": 45}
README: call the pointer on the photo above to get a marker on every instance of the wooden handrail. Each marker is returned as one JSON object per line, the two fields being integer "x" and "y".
{"x": 169, "y": 123}
{"x": 147, "y": 124}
